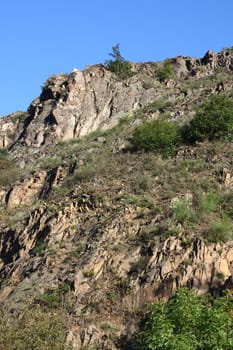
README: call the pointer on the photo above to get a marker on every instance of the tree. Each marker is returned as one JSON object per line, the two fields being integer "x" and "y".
{"x": 116, "y": 53}
{"x": 118, "y": 65}
{"x": 188, "y": 322}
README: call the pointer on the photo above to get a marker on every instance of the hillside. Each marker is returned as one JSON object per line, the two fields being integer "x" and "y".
{"x": 93, "y": 228}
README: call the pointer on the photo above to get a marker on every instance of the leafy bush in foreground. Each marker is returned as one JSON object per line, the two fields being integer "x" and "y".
{"x": 158, "y": 135}
{"x": 188, "y": 322}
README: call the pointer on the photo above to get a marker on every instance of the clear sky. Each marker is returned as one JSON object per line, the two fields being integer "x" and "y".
{"x": 41, "y": 38}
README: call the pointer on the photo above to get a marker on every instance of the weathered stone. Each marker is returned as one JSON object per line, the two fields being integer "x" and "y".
{"x": 110, "y": 256}
{"x": 83, "y": 101}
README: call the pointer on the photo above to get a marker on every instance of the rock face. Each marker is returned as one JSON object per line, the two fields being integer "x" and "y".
{"x": 96, "y": 222}
{"x": 87, "y": 248}
{"x": 10, "y": 128}
{"x": 75, "y": 104}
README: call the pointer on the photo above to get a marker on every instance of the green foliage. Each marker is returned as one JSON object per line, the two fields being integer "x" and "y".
{"x": 50, "y": 300}
{"x": 227, "y": 203}
{"x": 188, "y": 322}
{"x": 213, "y": 120}
{"x": 40, "y": 248}
{"x": 138, "y": 201}
{"x": 209, "y": 202}
{"x": 84, "y": 173}
{"x": 19, "y": 116}
{"x": 3, "y": 153}
{"x": 50, "y": 162}
{"x": 158, "y": 135}
{"x": 220, "y": 230}
{"x": 165, "y": 72}
{"x": 118, "y": 65}
{"x": 183, "y": 211}
{"x": 77, "y": 251}
{"x": 141, "y": 183}
{"x": 53, "y": 298}
{"x": 160, "y": 104}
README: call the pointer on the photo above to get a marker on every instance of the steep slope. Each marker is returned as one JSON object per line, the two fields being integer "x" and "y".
{"x": 75, "y": 104}
{"x": 95, "y": 230}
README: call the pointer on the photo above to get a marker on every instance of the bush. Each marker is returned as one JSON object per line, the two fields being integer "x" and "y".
{"x": 213, "y": 120}
{"x": 157, "y": 135}
{"x": 118, "y": 65}
{"x": 209, "y": 202}
{"x": 183, "y": 212}
{"x": 220, "y": 231}
{"x": 165, "y": 72}
{"x": 188, "y": 322}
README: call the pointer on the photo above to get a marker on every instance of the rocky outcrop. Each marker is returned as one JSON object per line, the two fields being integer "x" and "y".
{"x": 36, "y": 187}
{"x": 72, "y": 105}
{"x": 88, "y": 249}
{"x": 10, "y": 128}
{"x": 208, "y": 65}
{"x": 94, "y": 223}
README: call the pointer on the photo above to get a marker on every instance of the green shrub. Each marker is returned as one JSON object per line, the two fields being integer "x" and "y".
{"x": 53, "y": 298}
{"x": 3, "y": 153}
{"x": 209, "y": 202}
{"x": 50, "y": 300}
{"x": 158, "y": 135}
{"x": 118, "y": 65}
{"x": 141, "y": 183}
{"x": 137, "y": 201}
{"x": 50, "y": 162}
{"x": 213, "y": 120}
{"x": 220, "y": 231}
{"x": 165, "y": 72}
{"x": 188, "y": 322}
{"x": 183, "y": 211}
{"x": 227, "y": 203}
{"x": 84, "y": 173}
{"x": 40, "y": 248}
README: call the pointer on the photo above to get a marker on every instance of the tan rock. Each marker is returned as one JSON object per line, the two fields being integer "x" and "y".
{"x": 24, "y": 193}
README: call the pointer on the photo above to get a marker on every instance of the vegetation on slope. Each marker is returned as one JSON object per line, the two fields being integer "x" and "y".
{"x": 155, "y": 168}
{"x": 35, "y": 329}
{"x": 9, "y": 172}
{"x": 188, "y": 322}
{"x": 213, "y": 120}
{"x": 118, "y": 65}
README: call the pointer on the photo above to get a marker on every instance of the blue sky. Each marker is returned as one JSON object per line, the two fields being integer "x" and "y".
{"x": 41, "y": 38}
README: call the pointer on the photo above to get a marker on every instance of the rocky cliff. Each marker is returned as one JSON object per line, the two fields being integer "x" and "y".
{"x": 94, "y": 224}
{"x": 72, "y": 105}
